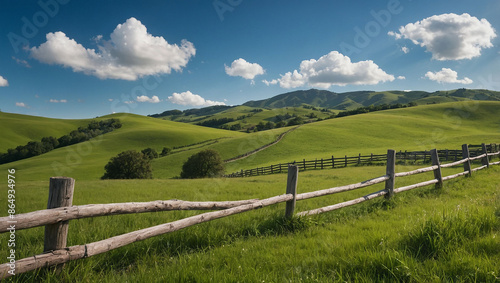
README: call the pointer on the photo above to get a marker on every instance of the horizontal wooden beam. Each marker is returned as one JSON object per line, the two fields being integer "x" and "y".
{"x": 95, "y": 248}
{"x": 55, "y": 215}
{"x": 342, "y": 188}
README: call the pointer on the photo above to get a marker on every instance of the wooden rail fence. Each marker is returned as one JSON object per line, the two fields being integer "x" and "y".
{"x": 60, "y": 210}
{"x": 344, "y": 161}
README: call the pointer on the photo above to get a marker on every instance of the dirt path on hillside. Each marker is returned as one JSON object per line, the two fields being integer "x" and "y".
{"x": 245, "y": 155}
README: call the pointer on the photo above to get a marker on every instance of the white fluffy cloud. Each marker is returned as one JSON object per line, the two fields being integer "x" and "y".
{"x": 447, "y": 75}
{"x": 272, "y": 82}
{"x": 3, "y": 82}
{"x": 187, "y": 98}
{"x": 130, "y": 53}
{"x": 21, "y": 104}
{"x": 58, "y": 101}
{"x": 334, "y": 69}
{"x": 242, "y": 68}
{"x": 405, "y": 49}
{"x": 450, "y": 36}
{"x": 145, "y": 98}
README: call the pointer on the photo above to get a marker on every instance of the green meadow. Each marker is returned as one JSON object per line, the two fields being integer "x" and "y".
{"x": 424, "y": 235}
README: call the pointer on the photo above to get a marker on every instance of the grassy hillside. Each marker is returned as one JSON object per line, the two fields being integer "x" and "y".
{"x": 249, "y": 117}
{"x": 377, "y": 241}
{"x": 318, "y": 103}
{"x": 19, "y": 129}
{"x": 417, "y": 128}
{"x": 86, "y": 160}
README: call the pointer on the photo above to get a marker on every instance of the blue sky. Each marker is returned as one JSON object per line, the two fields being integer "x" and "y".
{"x": 82, "y": 59}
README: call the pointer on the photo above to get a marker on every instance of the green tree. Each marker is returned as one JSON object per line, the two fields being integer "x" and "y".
{"x": 206, "y": 163}
{"x": 128, "y": 165}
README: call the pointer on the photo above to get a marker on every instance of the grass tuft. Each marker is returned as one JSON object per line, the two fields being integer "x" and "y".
{"x": 439, "y": 235}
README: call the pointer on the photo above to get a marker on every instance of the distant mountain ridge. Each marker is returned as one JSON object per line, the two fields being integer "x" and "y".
{"x": 351, "y": 100}
{"x": 305, "y": 106}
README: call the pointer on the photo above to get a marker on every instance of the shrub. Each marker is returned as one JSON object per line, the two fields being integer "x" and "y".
{"x": 128, "y": 165}
{"x": 150, "y": 153}
{"x": 206, "y": 163}
{"x": 165, "y": 151}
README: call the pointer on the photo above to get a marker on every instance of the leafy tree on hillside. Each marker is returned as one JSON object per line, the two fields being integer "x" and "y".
{"x": 128, "y": 165}
{"x": 206, "y": 163}
{"x": 150, "y": 153}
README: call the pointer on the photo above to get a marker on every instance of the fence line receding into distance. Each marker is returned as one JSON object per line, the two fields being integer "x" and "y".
{"x": 60, "y": 210}
{"x": 344, "y": 161}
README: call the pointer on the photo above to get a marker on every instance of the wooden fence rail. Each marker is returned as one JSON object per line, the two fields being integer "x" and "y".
{"x": 61, "y": 193}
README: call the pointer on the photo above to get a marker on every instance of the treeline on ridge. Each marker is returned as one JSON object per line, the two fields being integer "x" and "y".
{"x": 34, "y": 148}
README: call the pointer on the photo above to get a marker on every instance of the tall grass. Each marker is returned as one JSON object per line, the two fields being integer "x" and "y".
{"x": 457, "y": 227}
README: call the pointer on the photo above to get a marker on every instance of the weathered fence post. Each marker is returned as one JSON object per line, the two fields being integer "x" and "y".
{"x": 485, "y": 160}
{"x": 333, "y": 162}
{"x": 466, "y": 155}
{"x": 390, "y": 171}
{"x": 346, "y": 161}
{"x": 437, "y": 172}
{"x": 291, "y": 188}
{"x": 60, "y": 195}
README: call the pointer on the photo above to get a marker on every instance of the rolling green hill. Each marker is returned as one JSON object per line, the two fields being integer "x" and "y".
{"x": 86, "y": 160}
{"x": 247, "y": 117}
{"x": 446, "y": 125}
{"x": 313, "y": 104}
{"x": 351, "y": 100}
{"x": 19, "y": 129}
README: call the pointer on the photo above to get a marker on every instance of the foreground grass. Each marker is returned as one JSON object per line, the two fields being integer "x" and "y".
{"x": 425, "y": 235}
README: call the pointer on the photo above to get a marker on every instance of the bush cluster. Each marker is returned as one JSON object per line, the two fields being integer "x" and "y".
{"x": 206, "y": 163}
{"x": 129, "y": 165}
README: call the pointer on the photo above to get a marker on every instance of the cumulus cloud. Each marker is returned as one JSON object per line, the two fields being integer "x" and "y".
{"x": 130, "y": 53}
{"x": 401, "y": 78}
{"x": 21, "y": 104}
{"x": 334, "y": 69}
{"x": 242, "y": 68}
{"x": 405, "y": 49}
{"x": 450, "y": 36}
{"x": 144, "y": 98}
{"x": 3, "y": 82}
{"x": 58, "y": 101}
{"x": 447, "y": 75}
{"x": 187, "y": 98}
{"x": 272, "y": 82}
